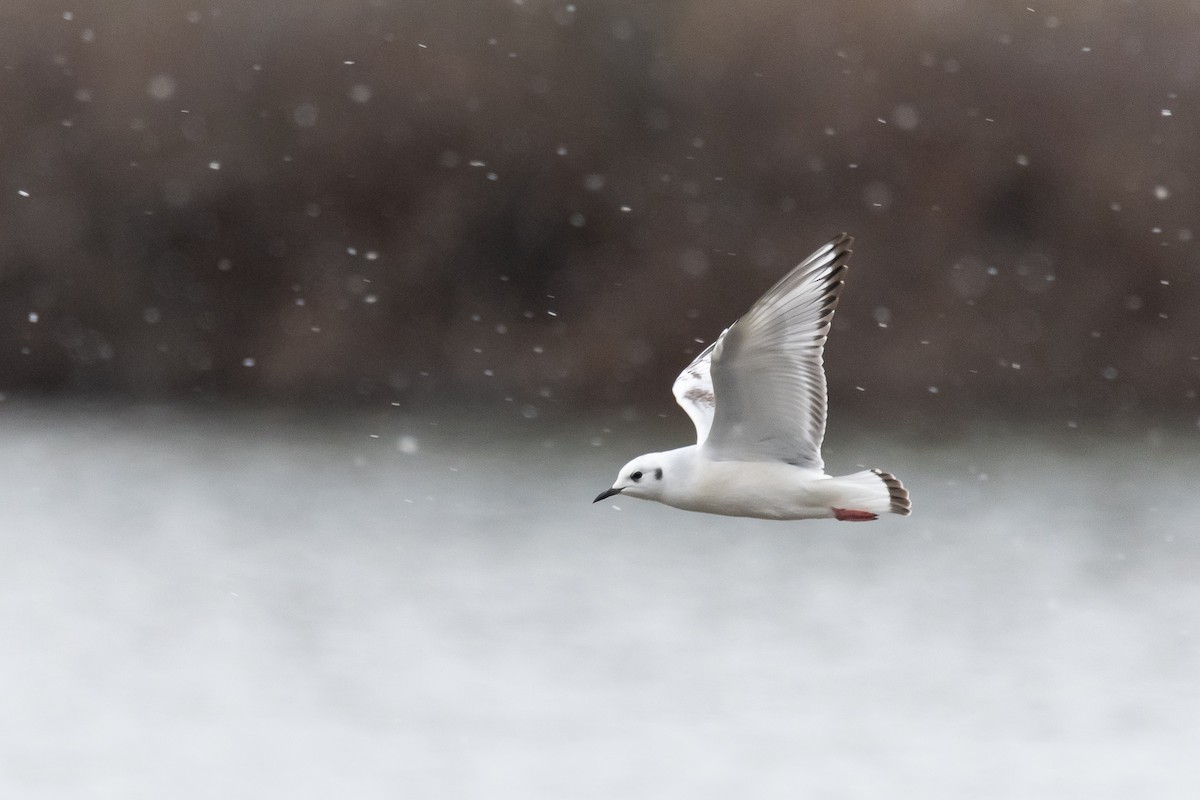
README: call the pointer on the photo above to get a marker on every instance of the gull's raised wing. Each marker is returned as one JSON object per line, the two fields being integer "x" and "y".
{"x": 766, "y": 369}
{"x": 693, "y": 390}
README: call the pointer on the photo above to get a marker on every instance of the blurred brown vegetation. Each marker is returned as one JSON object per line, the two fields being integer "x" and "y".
{"x": 551, "y": 202}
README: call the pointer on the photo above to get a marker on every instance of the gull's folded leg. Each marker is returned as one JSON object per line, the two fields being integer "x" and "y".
{"x": 853, "y": 515}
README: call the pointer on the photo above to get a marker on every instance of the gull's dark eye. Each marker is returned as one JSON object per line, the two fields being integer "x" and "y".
{"x": 637, "y": 476}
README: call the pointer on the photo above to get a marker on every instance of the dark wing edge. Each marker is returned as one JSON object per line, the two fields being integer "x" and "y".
{"x": 762, "y": 354}
{"x": 693, "y": 391}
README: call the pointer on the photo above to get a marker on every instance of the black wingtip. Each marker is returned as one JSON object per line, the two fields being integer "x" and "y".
{"x": 896, "y": 492}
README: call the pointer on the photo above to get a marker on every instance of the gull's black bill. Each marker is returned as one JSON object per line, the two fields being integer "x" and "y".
{"x": 606, "y": 493}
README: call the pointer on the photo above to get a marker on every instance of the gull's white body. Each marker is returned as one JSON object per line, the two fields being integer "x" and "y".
{"x": 764, "y": 489}
{"x": 757, "y": 399}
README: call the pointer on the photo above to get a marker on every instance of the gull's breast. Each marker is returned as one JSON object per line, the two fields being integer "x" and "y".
{"x": 766, "y": 490}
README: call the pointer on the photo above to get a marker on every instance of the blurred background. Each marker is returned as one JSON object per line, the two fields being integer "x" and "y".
{"x": 321, "y": 322}
{"x": 543, "y": 202}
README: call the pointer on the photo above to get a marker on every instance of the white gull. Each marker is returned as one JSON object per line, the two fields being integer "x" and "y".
{"x": 757, "y": 398}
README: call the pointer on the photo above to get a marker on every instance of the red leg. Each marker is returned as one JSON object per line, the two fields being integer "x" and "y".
{"x": 853, "y": 515}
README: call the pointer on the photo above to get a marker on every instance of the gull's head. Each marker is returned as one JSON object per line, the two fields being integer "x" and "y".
{"x": 642, "y": 478}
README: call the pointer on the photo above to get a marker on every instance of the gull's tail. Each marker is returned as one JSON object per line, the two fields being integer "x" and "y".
{"x": 898, "y": 502}
{"x": 863, "y": 495}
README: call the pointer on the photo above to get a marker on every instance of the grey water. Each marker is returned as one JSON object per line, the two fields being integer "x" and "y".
{"x": 247, "y": 604}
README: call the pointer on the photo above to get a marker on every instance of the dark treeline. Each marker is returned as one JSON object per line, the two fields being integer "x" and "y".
{"x": 554, "y": 202}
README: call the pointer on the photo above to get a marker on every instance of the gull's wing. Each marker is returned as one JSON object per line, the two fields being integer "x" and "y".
{"x": 766, "y": 368}
{"x": 693, "y": 391}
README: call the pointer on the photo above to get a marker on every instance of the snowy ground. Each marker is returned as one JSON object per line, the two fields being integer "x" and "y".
{"x": 249, "y": 606}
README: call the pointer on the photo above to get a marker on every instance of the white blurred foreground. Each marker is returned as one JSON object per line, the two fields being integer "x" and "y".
{"x": 246, "y": 606}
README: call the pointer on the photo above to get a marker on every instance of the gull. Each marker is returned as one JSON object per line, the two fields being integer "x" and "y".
{"x": 757, "y": 398}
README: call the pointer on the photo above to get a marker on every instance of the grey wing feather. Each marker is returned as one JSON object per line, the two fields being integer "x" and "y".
{"x": 767, "y": 368}
{"x": 693, "y": 390}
